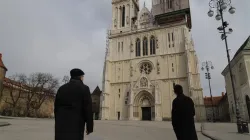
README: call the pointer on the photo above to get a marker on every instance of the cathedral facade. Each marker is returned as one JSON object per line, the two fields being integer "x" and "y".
{"x": 148, "y": 52}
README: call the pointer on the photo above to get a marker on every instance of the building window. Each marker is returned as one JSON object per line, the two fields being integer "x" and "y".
{"x": 127, "y": 93}
{"x": 123, "y": 16}
{"x": 119, "y": 90}
{"x": 172, "y": 67}
{"x": 145, "y": 46}
{"x": 172, "y": 36}
{"x": 118, "y": 46}
{"x": 169, "y": 45}
{"x": 146, "y": 68}
{"x": 138, "y": 47}
{"x": 248, "y": 105}
{"x": 170, "y": 4}
{"x": 152, "y": 45}
{"x": 126, "y": 102}
{"x": 122, "y": 47}
{"x": 173, "y": 39}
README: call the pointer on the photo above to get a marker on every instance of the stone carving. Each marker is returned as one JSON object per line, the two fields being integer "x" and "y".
{"x": 131, "y": 47}
{"x": 145, "y": 102}
{"x": 143, "y": 82}
{"x": 127, "y": 19}
{"x": 131, "y": 70}
{"x": 158, "y": 67}
{"x": 115, "y": 22}
{"x": 152, "y": 87}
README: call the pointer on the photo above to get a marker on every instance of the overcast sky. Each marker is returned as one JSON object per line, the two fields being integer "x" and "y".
{"x": 57, "y": 35}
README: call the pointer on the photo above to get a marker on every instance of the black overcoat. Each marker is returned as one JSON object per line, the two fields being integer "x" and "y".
{"x": 183, "y": 113}
{"x": 72, "y": 109}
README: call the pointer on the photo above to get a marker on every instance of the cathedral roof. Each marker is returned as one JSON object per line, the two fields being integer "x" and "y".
{"x": 244, "y": 46}
{"x": 1, "y": 63}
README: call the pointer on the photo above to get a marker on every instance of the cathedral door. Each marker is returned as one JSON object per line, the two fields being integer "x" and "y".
{"x": 118, "y": 115}
{"x": 146, "y": 113}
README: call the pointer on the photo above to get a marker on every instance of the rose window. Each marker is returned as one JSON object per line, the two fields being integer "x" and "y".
{"x": 146, "y": 68}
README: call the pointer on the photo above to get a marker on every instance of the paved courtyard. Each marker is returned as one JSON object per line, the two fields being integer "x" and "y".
{"x": 43, "y": 129}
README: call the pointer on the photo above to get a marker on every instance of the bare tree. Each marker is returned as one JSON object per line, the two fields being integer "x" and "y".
{"x": 65, "y": 79}
{"x": 15, "y": 86}
{"x": 41, "y": 87}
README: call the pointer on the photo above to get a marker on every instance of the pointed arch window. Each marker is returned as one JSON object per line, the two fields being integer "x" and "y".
{"x": 122, "y": 47}
{"x": 152, "y": 45}
{"x": 145, "y": 46}
{"x": 138, "y": 47}
{"x": 118, "y": 46}
{"x": 170, "y": 4}
{"x": 123, "y": 16}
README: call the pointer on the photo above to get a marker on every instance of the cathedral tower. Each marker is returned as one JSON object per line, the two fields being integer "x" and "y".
{"x": 124, "y": 13}
{"x": 147, "y": 53}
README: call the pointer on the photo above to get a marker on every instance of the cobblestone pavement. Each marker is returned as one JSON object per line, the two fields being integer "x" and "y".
{"x": 224, "y": 131}
{"x": 43, "y": 129}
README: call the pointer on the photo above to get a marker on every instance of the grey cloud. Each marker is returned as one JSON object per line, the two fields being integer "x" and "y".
{"x": 57, "y": 35}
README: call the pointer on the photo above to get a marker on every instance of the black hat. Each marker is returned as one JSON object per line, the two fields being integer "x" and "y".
{"x": 178, "y": 89}
{"x": 76, "y": 73}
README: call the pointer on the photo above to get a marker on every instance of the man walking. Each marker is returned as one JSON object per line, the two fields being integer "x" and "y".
{"x": 73, "y": 108}
{"x": 183, "y": 113}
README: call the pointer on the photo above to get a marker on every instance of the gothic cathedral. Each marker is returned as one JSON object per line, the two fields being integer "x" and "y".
{"x": 147, "y": 53}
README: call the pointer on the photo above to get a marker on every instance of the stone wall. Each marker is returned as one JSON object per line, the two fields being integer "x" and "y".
{"x": 46, "y": 110}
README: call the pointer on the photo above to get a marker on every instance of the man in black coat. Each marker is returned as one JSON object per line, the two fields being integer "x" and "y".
{"x": 183, "y": 113}
{"x": 73, "y": 108}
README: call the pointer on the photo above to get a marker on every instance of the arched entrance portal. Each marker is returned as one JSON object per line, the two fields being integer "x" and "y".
{"x": 248, "y": 105}
{"x": 144, "y": 104}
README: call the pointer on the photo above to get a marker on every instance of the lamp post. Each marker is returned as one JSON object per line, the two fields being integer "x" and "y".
{"x": 207, "y": 66}
{"x": 221, "y": 6}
